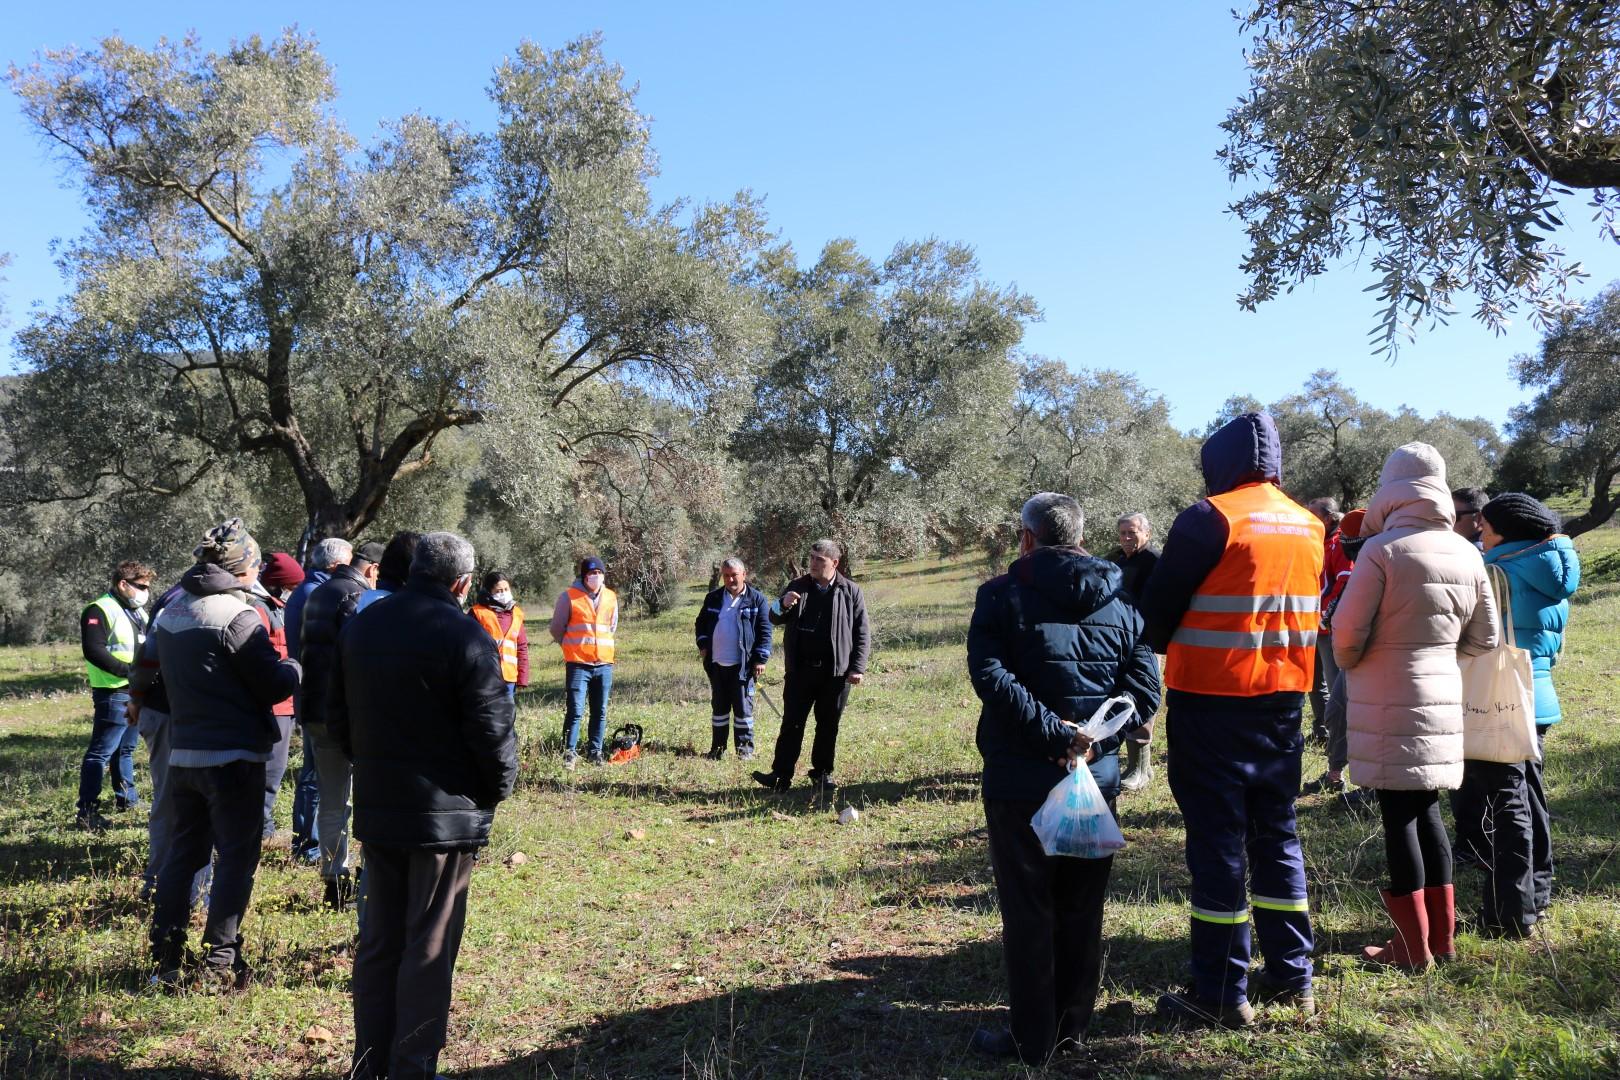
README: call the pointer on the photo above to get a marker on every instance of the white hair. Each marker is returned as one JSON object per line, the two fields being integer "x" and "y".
{"x": 333, "y": 551}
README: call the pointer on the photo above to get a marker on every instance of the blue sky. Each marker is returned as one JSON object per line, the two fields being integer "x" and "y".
{"x": 1071, "y": 144}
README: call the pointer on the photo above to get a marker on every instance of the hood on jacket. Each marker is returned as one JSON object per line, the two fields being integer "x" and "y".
{"x": 1246, "y": 450}
{"x": 209, "y": 579}
{"x": 1412, "y": 492}
{"x": 1549, "y": 566}
{"x": 1077, "y": 582}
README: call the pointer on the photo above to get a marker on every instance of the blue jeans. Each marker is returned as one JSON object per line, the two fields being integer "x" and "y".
{"x": 112, "y": 741}
{"x": 511, "y": 691}
{"x": 595, "y": 680}
{"x": 307, "y": 805}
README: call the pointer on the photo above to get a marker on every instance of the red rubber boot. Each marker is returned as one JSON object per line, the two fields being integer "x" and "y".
{"x": 1409, "y": 948}
{"x": 1439, "y": 904}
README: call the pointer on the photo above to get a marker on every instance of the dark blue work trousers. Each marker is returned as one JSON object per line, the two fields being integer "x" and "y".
{"x": 1234, "y": 771}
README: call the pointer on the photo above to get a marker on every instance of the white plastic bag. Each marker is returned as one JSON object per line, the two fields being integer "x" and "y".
{"x": 1075, "y": 819}
{"x": 1499, "y": 693}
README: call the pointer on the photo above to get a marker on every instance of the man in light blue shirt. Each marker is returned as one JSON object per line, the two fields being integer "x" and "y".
{"x": 734, "y": 639}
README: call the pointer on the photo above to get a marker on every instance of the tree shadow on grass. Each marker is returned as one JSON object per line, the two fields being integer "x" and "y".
{"x": 38, "y": 683}
{"x": 32, "y": 762}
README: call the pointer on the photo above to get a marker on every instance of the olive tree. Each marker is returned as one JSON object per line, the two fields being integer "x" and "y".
{"x": 1574, "y": 418}
{"x": 256, "y": 283}
{"x": 880, "y": 405}
{"x": 1430, "y": 137}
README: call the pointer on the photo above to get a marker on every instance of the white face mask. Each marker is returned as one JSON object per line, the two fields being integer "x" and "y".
{"x": 138, "y": 597}
{"x": 593, "y": 581}
{"x": 502, "y": 597}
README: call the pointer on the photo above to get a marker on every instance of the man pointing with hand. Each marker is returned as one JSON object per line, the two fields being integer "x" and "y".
{"x": 826, "y": 644}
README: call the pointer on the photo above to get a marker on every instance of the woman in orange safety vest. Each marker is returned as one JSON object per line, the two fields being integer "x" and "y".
{"x": 502, "y": 619}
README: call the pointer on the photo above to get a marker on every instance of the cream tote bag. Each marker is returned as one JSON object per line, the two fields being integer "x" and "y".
{"x": 1499, "y": 692}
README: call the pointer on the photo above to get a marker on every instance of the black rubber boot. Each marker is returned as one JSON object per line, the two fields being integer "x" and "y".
{"x": 717, "y": 743}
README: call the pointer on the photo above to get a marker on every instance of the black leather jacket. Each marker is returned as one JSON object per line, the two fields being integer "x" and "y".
{"x": 418, "y": 703}
{"x": 330, "y": 606}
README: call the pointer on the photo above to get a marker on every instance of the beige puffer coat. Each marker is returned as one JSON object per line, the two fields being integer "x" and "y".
{"x": 1417, "y": 597}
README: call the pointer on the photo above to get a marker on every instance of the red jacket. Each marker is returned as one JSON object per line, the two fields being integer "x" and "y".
{"x": 269, "y": 610}
{"x": 1336, "y": 567}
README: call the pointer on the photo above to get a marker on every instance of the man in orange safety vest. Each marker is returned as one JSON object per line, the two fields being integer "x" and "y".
{"x": 583, "y": 623}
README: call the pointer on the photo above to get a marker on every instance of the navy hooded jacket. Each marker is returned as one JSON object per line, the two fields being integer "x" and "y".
{"x": 1051, "y": 640}
{"x": 1246, "y": 450}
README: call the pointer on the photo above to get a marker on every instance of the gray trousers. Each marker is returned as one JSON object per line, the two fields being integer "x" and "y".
{"x": 416, "y": 911}
{"x": 1327, "y": 670}
{"x": 156, "y": 729}
{"x": 336, "y": 777}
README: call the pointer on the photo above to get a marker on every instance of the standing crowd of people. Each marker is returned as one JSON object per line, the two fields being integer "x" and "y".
{"x": 1255, "y": 604}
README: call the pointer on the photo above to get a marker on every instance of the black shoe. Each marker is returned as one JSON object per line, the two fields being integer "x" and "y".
{"x": 772, "y": 781}
{"x": 91, "y": 821}
{"x": 745, "y": 751}
{"x": 1185, "y": 1009}
{"x": 822, "y": 782}
{"x": 1263, "y": 988}
{"x": 1359, "y": 799}
{"x": 339, "y": 893}
{"x": 995, "y": 1043}
{"x": 593, "y": 757}
{"x": 1323, "y": 783}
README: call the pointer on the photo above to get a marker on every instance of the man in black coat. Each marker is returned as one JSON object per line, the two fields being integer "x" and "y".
{"x": 221, "y": 675}
{"x": 329, "y": 607}
{"x": 1050, "y": 641}
{"x": 419, "y": 704}
{"x": 825, "y": 644}
{"x": 733, "y": 631}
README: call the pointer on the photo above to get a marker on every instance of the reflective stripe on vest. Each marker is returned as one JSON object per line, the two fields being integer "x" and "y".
{"x": 506, "y": 639}
{"x": 1251, "y": 627}
{"x": 589, "y": 637}
{"x": 121, "y": 641}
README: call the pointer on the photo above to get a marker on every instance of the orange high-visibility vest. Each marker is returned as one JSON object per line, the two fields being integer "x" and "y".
{"x": 1251, "y": 626}
{"x": 490, "y": 620}
{"x": 589, "y": 637}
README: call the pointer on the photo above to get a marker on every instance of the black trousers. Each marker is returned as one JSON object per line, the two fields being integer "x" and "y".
{"x": 1492, "y": 809}
{"x": 1051, "y": 929}
{"x": 1415, "y": 841}
{"x": 416, "y": 909}
{"x": 804, "y": 690}
{"x": 1541, "y": 860}
{"x": 217, "y": 808}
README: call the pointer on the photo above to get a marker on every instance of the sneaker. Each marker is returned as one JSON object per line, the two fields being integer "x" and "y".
{"x": 1268, "y": 991}
{"x": 772, "y": 781}
{"x": 593, "y": 757}
{"x": 570, "y": 759}
{"x": 226, "y": 979}
{"x": 745, "y": 752}
{"x": 1327, "y": 782}
{"x": 1186, "y": 1009}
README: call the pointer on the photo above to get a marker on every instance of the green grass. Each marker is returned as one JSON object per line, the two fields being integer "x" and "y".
{"x": 741, "y": 934}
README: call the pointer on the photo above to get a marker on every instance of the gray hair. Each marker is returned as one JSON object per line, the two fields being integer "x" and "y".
{"x": 333, "y": 551}
{"x": 1137, "y": 516}
{"x": 734, "y": 563}
{"x": 443, "y": 557}
{"x": 827, "y": 549}
{"x": 1329, "y": 507}
{"x": 1054, "y": 520}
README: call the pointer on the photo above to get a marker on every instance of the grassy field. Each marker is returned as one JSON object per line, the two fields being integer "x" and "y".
{"x": 672, "y": 919}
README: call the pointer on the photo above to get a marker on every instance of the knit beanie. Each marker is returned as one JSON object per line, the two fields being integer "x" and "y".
{"x": 1517, "y": 516}
{"x": 281, "y": 571}
{"x": 1350, "y": 524}
{"x": 228, "y": 546}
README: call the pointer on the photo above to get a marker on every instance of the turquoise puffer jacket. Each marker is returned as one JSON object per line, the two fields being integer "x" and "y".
{"x": 1542, "y": 576}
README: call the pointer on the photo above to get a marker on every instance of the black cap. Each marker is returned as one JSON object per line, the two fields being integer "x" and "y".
{"x": 1517, "y": 516}
{"x": 370, "y": 552}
